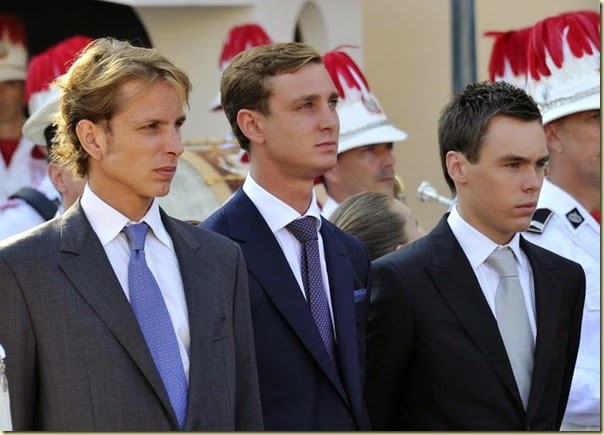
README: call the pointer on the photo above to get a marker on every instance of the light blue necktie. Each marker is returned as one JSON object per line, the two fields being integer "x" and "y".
{"x": 154, "y": 320}
{"x": 305, "y": 230}
{"x": 512, "y": 319}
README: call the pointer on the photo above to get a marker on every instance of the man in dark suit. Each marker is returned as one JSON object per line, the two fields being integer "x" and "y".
{"x": 91, "y": 345}
{"x": 281, "y": 104}
{"x": 440, "y": 352}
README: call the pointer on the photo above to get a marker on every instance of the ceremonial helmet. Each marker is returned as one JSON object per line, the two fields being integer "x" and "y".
{"x": 239, "y": 38}
{"x": 563, "y": 64}
{"x": 508, "y": 61}
{"x": 42, "y": 100}
{"x": 13, "y": 48}
{"x": 362, "y": 120}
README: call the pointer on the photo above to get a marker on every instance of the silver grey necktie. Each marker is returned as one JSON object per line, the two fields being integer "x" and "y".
{"x": 513, "y": 321}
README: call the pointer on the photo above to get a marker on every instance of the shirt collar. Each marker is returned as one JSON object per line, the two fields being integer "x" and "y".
{"x": 275, "y": 212}
{"x": 476, "y": 245}
{"x": 107, "y": 222}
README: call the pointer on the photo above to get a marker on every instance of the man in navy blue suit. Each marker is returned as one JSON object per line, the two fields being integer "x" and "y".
{"x": 281, "y": 104}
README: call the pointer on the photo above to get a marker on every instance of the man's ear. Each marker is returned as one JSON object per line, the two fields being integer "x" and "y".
{"x": 249, "y": 124}
{"x": 554, "y": 144}
{"x": 56, "y": 177}
{"x": 92, "y": 138}
{"x": 456, "y": 166}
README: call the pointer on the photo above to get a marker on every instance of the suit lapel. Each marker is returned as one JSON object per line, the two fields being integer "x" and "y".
{"x": 199, "y": 285}
{"x": 267, "y": 264}
{"x": 85, "y": 263}
{"x": 547, "y": 307}
{"x": 341, "y": 286}
{"x": 456, "y": 281}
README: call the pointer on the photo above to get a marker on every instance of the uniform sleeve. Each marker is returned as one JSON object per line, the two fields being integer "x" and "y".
{"x": 574, "y": 335}
{"x": 18, "y": 218}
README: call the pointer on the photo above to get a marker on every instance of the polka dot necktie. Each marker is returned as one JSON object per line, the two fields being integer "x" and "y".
{"x": 154, "y": 320}
{"x": 512, "y": 319}
{"x": 305, "y": 230}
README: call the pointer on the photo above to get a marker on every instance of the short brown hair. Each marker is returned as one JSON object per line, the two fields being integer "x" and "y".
{"x": 91, "y": 90}
{"x": 245, "y": 85}
{"x": 464, "y": 120}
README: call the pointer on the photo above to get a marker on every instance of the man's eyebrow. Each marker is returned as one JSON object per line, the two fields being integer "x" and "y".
{"x": 517, "y": 158}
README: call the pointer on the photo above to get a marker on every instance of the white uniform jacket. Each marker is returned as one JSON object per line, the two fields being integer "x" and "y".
{"x": 572, "y": 232}
{"x": 16, "y": 215}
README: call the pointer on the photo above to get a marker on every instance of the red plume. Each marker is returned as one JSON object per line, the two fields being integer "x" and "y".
{"x": 241, "y": 38}
{"x": 341, "y": 66}
{"x": 510, "y": 46}
{"x": 583, "y": 33}
{"x": 50, "y": 64}
{"x": 12, "y": 24}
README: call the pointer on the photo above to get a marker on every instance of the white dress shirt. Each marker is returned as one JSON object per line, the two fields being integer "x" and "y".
{"x": 277, "y": 215}
{"x": 477, "y": 248}
{"x": 108, "y": 223}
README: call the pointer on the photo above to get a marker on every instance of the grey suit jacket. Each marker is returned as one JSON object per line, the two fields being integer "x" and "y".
{"x": 76, "y": 357}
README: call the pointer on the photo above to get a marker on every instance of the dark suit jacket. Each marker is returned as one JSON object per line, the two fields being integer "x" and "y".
{"x": 436, "y": 360}
{"x": 76, "y": 358}
{"x": 299, "y": 388}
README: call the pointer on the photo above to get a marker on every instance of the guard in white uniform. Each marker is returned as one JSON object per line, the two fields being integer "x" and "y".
{"x": 24, "y": 167}
{"x": 5, "y": 416}
{"x": 50, "y": 193}
{"x": 240, "y": 38}
{"x": 564, "y": 226}
{"x": 567, "y": 220}
{"x": 365, "y": 160}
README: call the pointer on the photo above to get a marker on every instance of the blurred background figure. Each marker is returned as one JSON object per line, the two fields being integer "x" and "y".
{"x": 58, "y": 189}
{"x": 240, "y": 38}
{"x": 564, "y": 79}
{"x": 21, "y": 164}
{"x": 365, "y": 160}
{"x": 6, "y": 423}
{"x": 557, "y": 61}
{"x": 382, "y": 222}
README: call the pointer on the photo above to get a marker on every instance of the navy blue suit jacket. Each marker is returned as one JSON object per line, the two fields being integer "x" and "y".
{"x": 299, "y": 387}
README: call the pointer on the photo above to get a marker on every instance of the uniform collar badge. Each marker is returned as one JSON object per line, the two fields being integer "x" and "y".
{"x": 575, "y": 218}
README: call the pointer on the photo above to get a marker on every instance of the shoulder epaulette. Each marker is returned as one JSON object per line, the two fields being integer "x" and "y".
{"x": 540, "y": 220}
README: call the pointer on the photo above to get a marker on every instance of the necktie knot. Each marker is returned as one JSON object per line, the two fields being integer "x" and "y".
{"x": 503, "y": 261}
{"x": 136, "y": 236}
{"x": 304, "y": 229}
